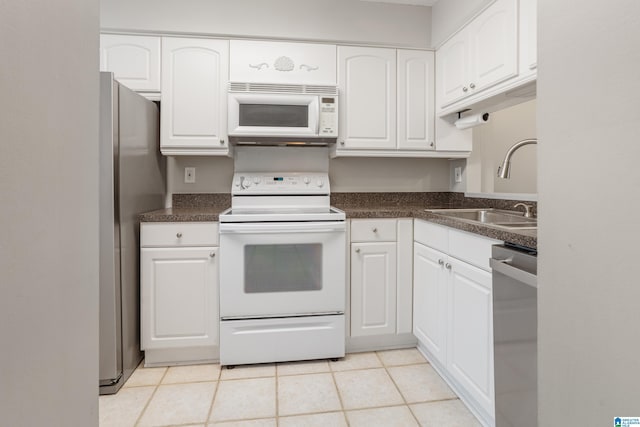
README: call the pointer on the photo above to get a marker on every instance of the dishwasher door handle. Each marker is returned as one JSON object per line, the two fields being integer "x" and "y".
{"x": 503, "y": 266}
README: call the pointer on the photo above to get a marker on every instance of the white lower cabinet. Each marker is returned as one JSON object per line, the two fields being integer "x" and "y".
{"x": 380, "y": 278}
{"x": 179, "y": 293}
{"x": 453, "y": 311}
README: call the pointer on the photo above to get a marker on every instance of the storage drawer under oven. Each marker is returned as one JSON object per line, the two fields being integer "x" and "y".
{"x": 281, "y": 339}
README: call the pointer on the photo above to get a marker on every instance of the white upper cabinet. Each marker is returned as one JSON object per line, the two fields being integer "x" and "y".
{"x": 415, "y": 100}
{"x": 367, "y": 85}
{"x": 134, "y": 60}
{"x": 282, "y": 62}
{"x": 481, "y": 55}
{"x": 528, "y": 36}
{"x": 194, "y": 96}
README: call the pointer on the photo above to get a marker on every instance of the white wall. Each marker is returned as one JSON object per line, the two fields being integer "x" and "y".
{"x": 213, "y": 175}
{"x": 491, "y": 142}
{"x": 449, "y": 15}
{"x": 49, "y": 213}
{"x": 589, "y": 286}
{"x": 334, "y": 20}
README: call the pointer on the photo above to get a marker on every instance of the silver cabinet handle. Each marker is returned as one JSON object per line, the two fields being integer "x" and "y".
{"x": 341, "y": 142}
{"x": 375, "y": 230}
{"x": 357, "y": 250}
{"x": 440, "y": 262}
{"x": 472, "y": 86}
{"x": 447, "y": 266}
{"x": 178, "y": 235}
{"x": 212, "y": 254}
{"x": 464, "y": 89}
{"x": 222, "y": 142}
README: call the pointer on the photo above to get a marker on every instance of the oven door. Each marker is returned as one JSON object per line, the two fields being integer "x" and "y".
{"x": 282, "y": 269}
{"x": 273, "y": 115}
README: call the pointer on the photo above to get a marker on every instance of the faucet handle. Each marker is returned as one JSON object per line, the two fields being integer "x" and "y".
{"x": 527, "y": 209}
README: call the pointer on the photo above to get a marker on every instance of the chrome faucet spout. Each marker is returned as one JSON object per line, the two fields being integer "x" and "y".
{"x": 504, "y": 171}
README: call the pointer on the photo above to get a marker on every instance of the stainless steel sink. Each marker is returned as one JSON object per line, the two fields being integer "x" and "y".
{"x": 491, "y": 217}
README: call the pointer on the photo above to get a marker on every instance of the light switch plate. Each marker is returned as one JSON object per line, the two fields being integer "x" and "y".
{"x": 457, "y": 173}
{"x": 189, "y": 175}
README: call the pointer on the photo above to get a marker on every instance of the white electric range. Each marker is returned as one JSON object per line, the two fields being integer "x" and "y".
{"x": 282, "y": 270}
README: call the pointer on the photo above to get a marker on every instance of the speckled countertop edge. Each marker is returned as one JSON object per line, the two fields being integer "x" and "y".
{"x": 374, "y": 205}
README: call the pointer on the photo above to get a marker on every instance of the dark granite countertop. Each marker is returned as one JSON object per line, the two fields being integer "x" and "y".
{"x": 362, "y": 205}
{"x": 193, "y": 214}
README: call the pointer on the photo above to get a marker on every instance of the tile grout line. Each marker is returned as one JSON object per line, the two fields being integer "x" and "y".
{"x": 146, "y": 406}
{"x": 215, "y": 393}
{"x": 343, "y": 411}
{"x": 276, "y": 396}
{"x": 404, "y": 399}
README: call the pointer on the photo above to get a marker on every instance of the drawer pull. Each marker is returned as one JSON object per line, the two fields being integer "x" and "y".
{"x": 448, "y": 266}
{"x": 375, "y": 230}
{"x": 212, "y": 254}
{"x": 179, "y": 235}
{"x": 357, "y": 250}
{"x": 440, "y": 262}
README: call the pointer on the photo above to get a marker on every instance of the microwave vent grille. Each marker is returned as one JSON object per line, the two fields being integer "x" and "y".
{"x": 282, "y": 88}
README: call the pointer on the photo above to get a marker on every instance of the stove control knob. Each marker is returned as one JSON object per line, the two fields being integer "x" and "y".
{"x": 306, "y": 180}
{"x": 320, "y": 183}
{"x": 246, "y": 182}
{"x": 256, "y": 180}
{"x": 236, "y": 182}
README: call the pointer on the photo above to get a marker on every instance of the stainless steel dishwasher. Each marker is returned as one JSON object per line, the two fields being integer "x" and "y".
{"x": 515, "y": 339}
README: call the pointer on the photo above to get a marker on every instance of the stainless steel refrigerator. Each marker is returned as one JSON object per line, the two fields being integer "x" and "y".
{"x": 132, "y": 180}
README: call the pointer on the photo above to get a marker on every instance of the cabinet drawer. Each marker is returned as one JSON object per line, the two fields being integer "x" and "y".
{"x": 179, "y": 234}
{"x": 373, "y": 230}
{"x": 471, "y": 248}
{"x": 432, "y": 235}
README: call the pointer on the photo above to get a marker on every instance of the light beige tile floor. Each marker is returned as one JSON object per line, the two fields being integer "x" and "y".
{"x": 384, "y": 388}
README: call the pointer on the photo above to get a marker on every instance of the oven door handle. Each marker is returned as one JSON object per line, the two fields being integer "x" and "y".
{"x": 273, "y": 228}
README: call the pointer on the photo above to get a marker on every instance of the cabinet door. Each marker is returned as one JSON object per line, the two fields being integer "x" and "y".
{"x": 430, "y": 300}
{"x": 367, "y": 84}
{"x": 178, "y": 302}
{"x": 453, "y": 63}
{"x": 194, "y": 97}
{"x": 373, "y": 289}
{"x": 415, "y": 100}
{"x": 493, "y": 45}
{"x": 280, "y": 62}
{"x": 470, "y": 344}
{"x": 528, "y": 36}
{"x": 134, "y": 60}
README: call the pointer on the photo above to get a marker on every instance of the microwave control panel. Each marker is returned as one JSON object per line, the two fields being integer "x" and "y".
{"x": 328, "y": 117}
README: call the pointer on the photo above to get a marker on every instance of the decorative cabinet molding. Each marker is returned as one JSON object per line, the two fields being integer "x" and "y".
{"x": 282, "y": 62}
{"x": 134, "y": 60}
{"x": 193, "y": 119}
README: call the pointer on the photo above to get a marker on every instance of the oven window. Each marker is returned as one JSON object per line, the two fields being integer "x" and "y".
{"x": 282, "y": 268}
{"x": 270, "y": 115}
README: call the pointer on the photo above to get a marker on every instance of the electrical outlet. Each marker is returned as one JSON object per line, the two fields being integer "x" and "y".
{"x": 189, "y": 175}
{"x": 457, "y": 174}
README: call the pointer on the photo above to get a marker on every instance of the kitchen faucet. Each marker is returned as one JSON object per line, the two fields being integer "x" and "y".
{"x": 504, "y": 171}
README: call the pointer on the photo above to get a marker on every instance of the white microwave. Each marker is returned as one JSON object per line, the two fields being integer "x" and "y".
{"x": 303, "y": 113}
